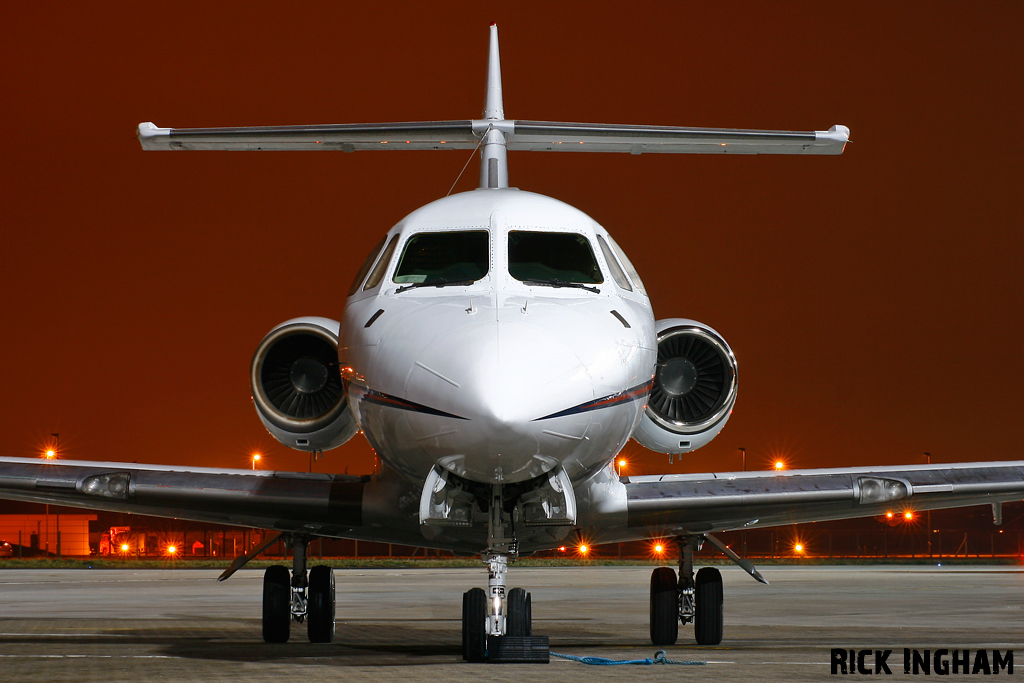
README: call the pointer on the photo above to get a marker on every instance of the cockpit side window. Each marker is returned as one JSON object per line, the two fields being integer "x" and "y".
{"x": 382, "y": 265}
{"x": 444, "y": 257}
{"x": 630, "y": 270}
{"x": 620, "y": 278}
{"x": 552, "y": 257}
{"x": 367, "y": 264}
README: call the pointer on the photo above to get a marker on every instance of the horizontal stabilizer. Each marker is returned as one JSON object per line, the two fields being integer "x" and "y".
{"x": 548, "y": 136}
{"x": 538, "y": 136}
{"x": 347, "y": 137}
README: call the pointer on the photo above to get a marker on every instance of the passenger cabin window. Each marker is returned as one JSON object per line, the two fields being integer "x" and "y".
{"x": 444, "y": 258}
{"x": 367, "y": 264}
{"x": 613, "y": 265}
{"x": 552, "y": 257}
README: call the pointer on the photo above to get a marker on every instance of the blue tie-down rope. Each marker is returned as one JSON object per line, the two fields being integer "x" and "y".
{"x": 659, "y": 658}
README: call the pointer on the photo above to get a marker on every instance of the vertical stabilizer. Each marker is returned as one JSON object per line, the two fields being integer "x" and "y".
{"x": 493, "y": 157}
{"x": 494, "y": 107}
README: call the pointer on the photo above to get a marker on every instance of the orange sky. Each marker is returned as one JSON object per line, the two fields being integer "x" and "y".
{"x": 873, "y": 300}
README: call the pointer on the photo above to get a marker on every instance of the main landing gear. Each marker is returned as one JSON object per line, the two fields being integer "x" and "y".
{"x": 698, "y": 599}
{"x": 498, "y": 626}
{"x": 296, "y": 596}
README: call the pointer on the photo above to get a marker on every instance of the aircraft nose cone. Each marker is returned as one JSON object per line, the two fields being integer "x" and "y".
{"x": 522, "y": 372}
{"x": 525, "y": 374}
{"x": 504, "y": 378}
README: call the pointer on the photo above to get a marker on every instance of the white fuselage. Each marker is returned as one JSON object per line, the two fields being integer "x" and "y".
{"x": 498, "y": 380}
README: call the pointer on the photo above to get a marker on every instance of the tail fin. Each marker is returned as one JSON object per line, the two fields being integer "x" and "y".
{"x": 493, "y": 153}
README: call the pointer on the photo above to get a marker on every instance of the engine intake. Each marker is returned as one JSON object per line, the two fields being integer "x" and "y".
{"x": 296, "y": 385}
{"x": 694, "y": 388}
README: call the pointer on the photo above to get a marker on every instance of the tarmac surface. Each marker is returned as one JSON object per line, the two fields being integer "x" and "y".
{"x": 404, "y": 624}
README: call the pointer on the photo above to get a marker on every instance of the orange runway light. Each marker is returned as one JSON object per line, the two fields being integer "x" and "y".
{"x": 659, "y": 548}
{"x": 562, "y": 549}
{"x": 888, "y": 515}
{"x": 50, "y": 454}
{"x": 799, "y": 547}
{"x": 171, "y": 549}
{"x": 124, "y": 547}
{"x": 779, "y": 465}
{"x": 908, "y": 515}
{"x": 584, "y": 549}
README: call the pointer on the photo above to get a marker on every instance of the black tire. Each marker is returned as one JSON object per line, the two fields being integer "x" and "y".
{"x": 277, "y": 604}
{"x": 474, "y": 625}
{"x": 320, "y": 605}
{"x": 664, "y": 607}
{"x": 708, "y": 607}
{"x": 529, "y": 614}
{"x": 518, "y": 615}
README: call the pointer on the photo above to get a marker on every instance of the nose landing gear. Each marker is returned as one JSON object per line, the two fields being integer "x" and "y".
{"x": 498, "y": 626}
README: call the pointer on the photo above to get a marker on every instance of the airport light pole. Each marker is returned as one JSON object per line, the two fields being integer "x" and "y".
{"x": 743, "y": 534}
{"x": 928, "y": 458}
{"x": 50, "y": 454}
{"x": 56, "y": 508}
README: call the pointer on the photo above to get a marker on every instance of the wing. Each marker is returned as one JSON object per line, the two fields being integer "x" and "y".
{"x": 538, "y": 136}
{"x": 703, "y": 503}
{"x": 319, "y": 504}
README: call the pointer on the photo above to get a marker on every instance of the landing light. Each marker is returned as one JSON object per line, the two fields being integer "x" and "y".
{"x": 50, "y": 454}
{"x": 779, "y": 465}
{"x": 799, "y": 547}
{"x": 124, "y": 547}
{"x": 562, "y": 549}
{"x": 908, "y": 515}
{"x": 584, "y": 549}
{"x": 659, "y": 548}
{"x": 888, "y": 515}
{"x": 172, "y": 549}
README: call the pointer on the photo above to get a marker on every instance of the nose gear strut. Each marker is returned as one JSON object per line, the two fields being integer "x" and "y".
{"x": 497, "y": 625}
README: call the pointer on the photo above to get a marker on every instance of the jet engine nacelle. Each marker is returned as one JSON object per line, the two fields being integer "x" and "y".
{"x": 296, "y": 385}
{"x": 694, "y": 388}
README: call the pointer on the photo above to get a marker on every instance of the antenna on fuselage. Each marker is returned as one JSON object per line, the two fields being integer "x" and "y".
{"x": 493, "y": 154}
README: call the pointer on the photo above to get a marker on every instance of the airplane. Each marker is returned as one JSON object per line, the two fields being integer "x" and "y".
{"x": 498, "y": 350}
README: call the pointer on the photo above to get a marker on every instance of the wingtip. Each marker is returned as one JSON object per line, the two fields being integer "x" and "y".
{"x": 152, "y": 136}
{"x": 833, "y": 140}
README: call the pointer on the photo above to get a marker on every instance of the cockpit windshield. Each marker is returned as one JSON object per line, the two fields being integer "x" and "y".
{"x": 552, "y": 257}
{"x": 439, "y": 258}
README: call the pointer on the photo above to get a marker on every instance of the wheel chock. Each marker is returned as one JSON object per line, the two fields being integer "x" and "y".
{"x": 518, "y": 650}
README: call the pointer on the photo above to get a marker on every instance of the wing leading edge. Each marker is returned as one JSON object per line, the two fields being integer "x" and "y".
{"x": 704, "y": 503}
{"x": 321, "y": 504}
{"x": 332, "y": 505}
